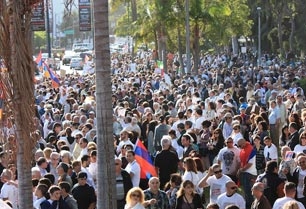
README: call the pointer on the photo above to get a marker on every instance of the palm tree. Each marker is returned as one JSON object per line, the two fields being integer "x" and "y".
{"x": 106, "y": 169}
{"x": 15, "y": 49}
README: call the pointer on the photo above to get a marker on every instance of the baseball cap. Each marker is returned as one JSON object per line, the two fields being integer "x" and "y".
{"x": 82, "y": 175}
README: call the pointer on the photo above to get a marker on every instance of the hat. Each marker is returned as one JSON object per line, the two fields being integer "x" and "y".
{"x": 48, "y": 107}
{"x": 64, "y": 166}
{"x": 91, "y": 113}
{"x": 243, "y": 106}
{"x": 228, "y": 115}
{"x": 82, "y": 175}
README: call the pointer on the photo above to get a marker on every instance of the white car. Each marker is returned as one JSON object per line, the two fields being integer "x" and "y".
{"x": 76, "y": 63}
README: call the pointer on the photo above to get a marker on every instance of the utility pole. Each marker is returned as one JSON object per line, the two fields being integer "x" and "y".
{"x": 48, "y": 30}
{"x": 259, "y": 36}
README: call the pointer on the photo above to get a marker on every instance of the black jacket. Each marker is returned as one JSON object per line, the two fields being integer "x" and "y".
{"x": 197, "y": 202}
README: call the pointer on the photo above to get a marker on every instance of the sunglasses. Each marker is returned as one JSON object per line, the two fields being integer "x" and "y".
{"x": 219, "y": 171}
{"x": 229, "y": 142}
{"x": 135, "y": 195}
{"x": 233, "y": 188}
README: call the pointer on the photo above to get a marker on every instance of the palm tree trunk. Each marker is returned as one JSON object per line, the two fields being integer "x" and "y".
{"x": 22, "y": 71}
{"x": 106, "y": 195}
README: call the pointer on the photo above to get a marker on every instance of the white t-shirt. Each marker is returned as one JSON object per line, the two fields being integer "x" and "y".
{"x": 217, "y": 186}
{"x": 191, "y": 176}
{"x": 135, "y": 169}
{"x": 270, "y": 153}
{"x": 229, "y": 158}
{"x": 299, "y": 188}
{"x": 11, "y": 193}
{"x": 299, "y": 149}
{"x": 198, "y": 122}
{"x": 236, "y": 199}
{"x": 280, "y": 202}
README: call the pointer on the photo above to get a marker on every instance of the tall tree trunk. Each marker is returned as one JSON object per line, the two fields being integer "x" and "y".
{"x": 106, "y": 195}
{"x": 22, "y": 72}
{"x": 291, "y": 32}
{"x": 280, "y": 33}
{"x": 180, "y": 52}
{"x": 196, "y": 47}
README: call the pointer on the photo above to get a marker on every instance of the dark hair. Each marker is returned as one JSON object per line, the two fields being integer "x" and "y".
{"x": 51, "y": 177}
{"x": 180, "y": 126}
{"x": 131, "y": 151}
{"x": 190, "y": 164}
{"x": 85, "y": 158}
{"x": 35, "y": 182}
{"x": 199, "y": 164}
{"x": 232, "y": 207}
{"x": 212, "y": 206}
{"x": 264, "y": 125}
{"x": 43, "y": 188}
{"x": 176, "y": 178}
{"x": 45, "y": 181}
{"x": 53, "y": 189}
{"x": 271, "y": 165}
{"x": 65, "y": 185}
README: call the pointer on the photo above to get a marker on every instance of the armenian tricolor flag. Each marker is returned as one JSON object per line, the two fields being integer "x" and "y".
{"x": 147, "y": 169}
{"x": 53, "y": 76}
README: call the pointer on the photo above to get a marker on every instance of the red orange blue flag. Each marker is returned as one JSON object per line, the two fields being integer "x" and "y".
{"x": 38, "y": 59}
{"x": 147, "y": 169}
{"x": 54, "y": 78}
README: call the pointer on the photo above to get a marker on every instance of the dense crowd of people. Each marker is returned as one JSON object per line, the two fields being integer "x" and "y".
{"x": 234, "y": 130}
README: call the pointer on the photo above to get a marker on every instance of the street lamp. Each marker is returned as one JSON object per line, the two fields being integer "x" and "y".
{"x": 259, "y": 37}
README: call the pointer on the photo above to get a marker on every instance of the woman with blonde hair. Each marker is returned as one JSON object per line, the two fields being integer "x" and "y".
{"x": 187, "y": 198}
{"x": 291, "y": 205}
{"x": 134, "y": 199}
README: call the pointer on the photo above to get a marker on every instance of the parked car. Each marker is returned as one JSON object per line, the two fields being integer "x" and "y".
{"x": 66, "y": 59}
{"x": 76, "y": 63}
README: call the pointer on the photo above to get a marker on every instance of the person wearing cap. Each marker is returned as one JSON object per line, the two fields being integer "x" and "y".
{"x": 166, "y": 161}
{"x": 83, "y": 193}
{"x": 290, "y": 193}
{"x": 231, "y": 197}
{"x": 260, "y": 202}
{"x": 216, "y": 180}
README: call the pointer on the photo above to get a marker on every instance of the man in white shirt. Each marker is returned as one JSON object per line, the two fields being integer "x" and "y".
{"x": 133, "y": 168}
{"x": 290, "y": 191}
{"x": 231, "y": 197}
{"x": 216, "y": 181}
{"x": 270, "y": 150}
{"x": 124, "y": 139}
